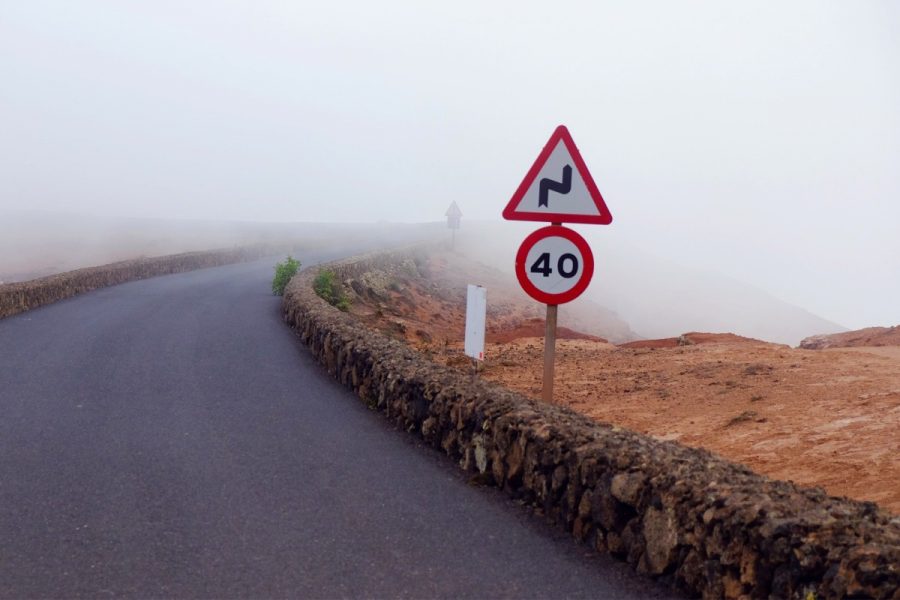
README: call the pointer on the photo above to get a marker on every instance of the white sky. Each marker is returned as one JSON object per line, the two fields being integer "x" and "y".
{"x": 756, "y": 139}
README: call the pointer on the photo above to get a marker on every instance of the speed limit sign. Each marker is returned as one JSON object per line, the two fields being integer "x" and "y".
{"x": 554, "y": 265}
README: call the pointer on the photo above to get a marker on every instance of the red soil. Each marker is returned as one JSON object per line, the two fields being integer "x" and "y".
{"x": 689, "y": 339}
{"x": 535, "y": 328}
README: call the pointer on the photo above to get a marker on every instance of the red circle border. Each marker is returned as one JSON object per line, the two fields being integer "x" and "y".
{"x": 586, "y": 274}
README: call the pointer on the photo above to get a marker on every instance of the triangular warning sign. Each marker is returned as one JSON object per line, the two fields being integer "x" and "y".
{"x": 558, "y": 188}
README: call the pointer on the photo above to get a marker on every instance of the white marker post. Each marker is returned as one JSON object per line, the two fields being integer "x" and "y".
{"x": 476, "y": 315}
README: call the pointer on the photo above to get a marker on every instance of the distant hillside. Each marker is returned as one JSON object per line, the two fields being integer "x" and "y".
{"x": 692, "y": 338}
{"x": 659, "y": 298}
{"x": 870, "y": 336}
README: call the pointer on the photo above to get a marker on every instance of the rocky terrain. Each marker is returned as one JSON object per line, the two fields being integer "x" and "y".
{"x": 688, "y": 339}
{"x": 870, "y": 336}
{"x": 819, "y": 418}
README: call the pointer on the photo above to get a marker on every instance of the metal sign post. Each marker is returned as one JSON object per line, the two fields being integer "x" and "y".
{"x": 554, "y": 264}
{"x": 453, "y": 215}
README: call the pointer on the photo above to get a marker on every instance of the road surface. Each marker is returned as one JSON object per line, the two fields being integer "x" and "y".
{"x": 172, "y": 438}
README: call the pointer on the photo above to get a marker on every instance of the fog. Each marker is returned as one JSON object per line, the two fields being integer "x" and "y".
{"x": 753, "y": 142}
{"x": 655, "y": 296}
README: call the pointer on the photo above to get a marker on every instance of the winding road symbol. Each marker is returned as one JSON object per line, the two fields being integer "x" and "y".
{"x": 547, "y": 185}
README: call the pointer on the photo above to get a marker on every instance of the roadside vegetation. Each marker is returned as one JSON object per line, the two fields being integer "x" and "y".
{"x": 283, "y": 273}
{"x": 328, "y": 288}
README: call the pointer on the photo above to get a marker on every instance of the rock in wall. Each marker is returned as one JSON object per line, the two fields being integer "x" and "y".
{"x": 707, "y": 526}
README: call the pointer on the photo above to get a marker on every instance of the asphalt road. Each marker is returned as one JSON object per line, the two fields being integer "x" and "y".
{"x": 172, "y": 438}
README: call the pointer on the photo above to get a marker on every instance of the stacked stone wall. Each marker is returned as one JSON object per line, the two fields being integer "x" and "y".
{"x": 707, "y": 526}
{"x": 26, "y": 295}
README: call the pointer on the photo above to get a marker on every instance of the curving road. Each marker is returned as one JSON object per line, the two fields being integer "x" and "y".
{"x": 172, "y": 438}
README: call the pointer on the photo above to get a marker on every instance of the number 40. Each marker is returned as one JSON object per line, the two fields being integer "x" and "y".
{"x": 542, "y": 265}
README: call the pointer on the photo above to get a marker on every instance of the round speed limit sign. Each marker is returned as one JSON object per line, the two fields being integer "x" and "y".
{"x": 554, "y": 265}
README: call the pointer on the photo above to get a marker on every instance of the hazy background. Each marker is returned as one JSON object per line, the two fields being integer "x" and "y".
{"x": 759, "y": 142}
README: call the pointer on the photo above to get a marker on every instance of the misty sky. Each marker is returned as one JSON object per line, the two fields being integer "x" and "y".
{"x": 759, "y": 140}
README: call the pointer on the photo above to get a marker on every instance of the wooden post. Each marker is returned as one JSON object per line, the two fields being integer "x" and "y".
{"x": 549, "y": 352}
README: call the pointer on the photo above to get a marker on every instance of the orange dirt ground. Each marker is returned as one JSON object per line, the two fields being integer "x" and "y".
{"x": 818, "y": 417}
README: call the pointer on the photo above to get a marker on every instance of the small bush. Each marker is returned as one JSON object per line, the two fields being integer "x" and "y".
{"x": 343, "y": 304}
{"x": 329, "y": 289}
{"x": 323, "y": 285}
{"x": 283, "y": 273}
{"x": 747, "y": 415}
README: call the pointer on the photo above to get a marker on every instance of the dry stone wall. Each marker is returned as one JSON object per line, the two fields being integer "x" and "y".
{"x": 26, "y": 295}
{"x": 707, "y": 526}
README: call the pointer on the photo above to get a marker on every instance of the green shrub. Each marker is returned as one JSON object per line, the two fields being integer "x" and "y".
{"x": 343, "y": 304}
{"x": 329, "y": 289}
{"x": 323, "y": 285}
{"x": 283, "y": 273}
